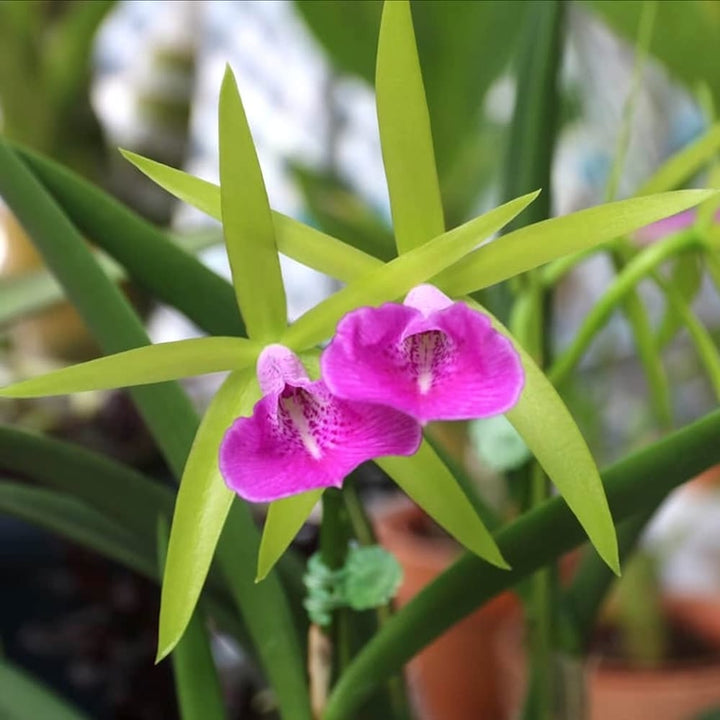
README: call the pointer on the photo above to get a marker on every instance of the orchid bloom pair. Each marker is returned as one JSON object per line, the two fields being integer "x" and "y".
{"x": 386, "y": 372}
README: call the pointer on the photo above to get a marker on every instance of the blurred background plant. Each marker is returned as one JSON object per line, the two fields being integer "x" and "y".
{"x": 78, "y": 78}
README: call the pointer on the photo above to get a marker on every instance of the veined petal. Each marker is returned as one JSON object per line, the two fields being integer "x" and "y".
{"x": 435, "y": 360}
{"x": 301, "y": 437}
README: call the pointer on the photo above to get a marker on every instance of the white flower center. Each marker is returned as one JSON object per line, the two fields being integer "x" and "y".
{"x": 296, "y": 411}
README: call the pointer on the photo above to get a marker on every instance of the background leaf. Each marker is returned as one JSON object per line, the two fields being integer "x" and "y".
{"x": 196, "y": 680}
{"x": 22, "y": 697}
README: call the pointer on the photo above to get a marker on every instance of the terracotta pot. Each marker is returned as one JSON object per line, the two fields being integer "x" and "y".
{"x": 457, "y": 676}
{"x": 676, "y": 691}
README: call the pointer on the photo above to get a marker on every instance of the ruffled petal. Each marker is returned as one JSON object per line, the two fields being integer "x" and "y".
{"x": 442, "y": 364}
{"x": 305, "y": 438}
{"x": 277, "y": 366}
{"x": 365, "y": 360}
{"x": 479, "y": 376}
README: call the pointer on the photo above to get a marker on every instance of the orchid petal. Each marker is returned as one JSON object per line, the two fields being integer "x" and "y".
{"x": 435, "y": 360}
{"x": 301, "y": 437}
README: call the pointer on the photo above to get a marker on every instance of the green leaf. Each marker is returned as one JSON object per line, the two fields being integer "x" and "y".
{"x": 405, "y": 134}
{"x": 150, "y": 257}
{"x": 536, "y": 244}
{"x": 123, "y": 495}
{"x": 22, "y": 697}
{"x": 685, "y": 277}
{"x": 164, "y": 407}
{"x": 390, "y": 280}
{"x": 142, "y": 366}
{"x": 284, "y": 519}
{"x": 196, "y": 680}
{"x": 202, "y": 505}
{"x": 78, "y": 522}
{"x": 683, "y": 164}
{"x": 247, "y": 223}
{"x": 296, "y": 240}
{"x": 268, "y": 616}
{"x": 550, "y": 433}
{"x": 427, "y": 481}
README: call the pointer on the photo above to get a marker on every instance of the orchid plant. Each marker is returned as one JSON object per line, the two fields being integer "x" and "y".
{"x": 292, "y": 420}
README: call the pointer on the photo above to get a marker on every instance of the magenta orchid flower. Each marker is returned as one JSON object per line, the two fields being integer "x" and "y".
{"x": 430, "y": 357}
{"x": 301, "y": 437}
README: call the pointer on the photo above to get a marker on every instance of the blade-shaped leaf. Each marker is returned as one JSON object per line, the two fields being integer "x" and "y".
{"x": 405, "y": 134}
{"x": 21, "y": 697}
{"x": 296, "y": 240}
{"x": 73, "y": 519}
{"x": 393, "y": 279}
{"x": 284, "y": 519}
{"x": 685, "y": 277}
{"x": 270, "y": 622}
{"x": 150, "y": 364}
{"x": 426, "y": 480}
{"x": 549, "y": 431}
{"x": 126, "y": 497}
{"x": 202, "y": 505}
{"x": 196, "y": 681}
{"x": 151, "y": 258}
{"x": 536, "y": 244}
{"x": 683, "y": 164}
{"x": 247, "y": 223}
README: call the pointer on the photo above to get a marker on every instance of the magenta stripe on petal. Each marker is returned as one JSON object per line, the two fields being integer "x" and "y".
{"x": 435, "y": 360}
{"x": 301, "y": 437}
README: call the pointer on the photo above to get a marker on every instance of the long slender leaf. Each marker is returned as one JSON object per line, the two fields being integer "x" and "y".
{"x": 683, "y": 164}
{"x": 534, "y": 245}
{"x": 284, "y": 519}
{"x": 296, "y": 240}
{"x": 528, "y": 543}
{"x": 77, "y": 521}
{"x": 164, "y": 407}
{"x": 247, "y": 223}
{"x": 202, "y": 506}
{"x": 405, "y": 134}
{"x": 22, "y": 697}
{"x": 392, "y": 279}
{"x": 142, "y": 366}
{"x": 196, "y": 681}
{"x": 266, "y": 624}
{"x": 23, "y": 295}
{"x": 426, "y": 480}
{"x": 154, "y": 262}
{"x": 123, "y": 495}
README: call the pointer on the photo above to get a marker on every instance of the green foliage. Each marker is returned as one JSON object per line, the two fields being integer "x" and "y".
{"x": 247, "y": 223}
{"x": 21, "y": 696}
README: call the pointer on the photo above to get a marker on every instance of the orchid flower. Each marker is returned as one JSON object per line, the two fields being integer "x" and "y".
{"x": 301, "y": 437}
{"x": 667, "y": 226}
{"x": 430, "y": 357}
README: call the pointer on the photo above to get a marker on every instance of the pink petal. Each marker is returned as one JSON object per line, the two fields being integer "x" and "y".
{"x": 305, "y": 438}
{"x": 448, "y": 365}
{"x": 427, "y": 299}
{"x": 278, "y": 365}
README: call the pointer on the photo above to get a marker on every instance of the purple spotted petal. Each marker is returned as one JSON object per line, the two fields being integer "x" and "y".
{"x": 431, "y": 358}
{"x": 301, "y": 437}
